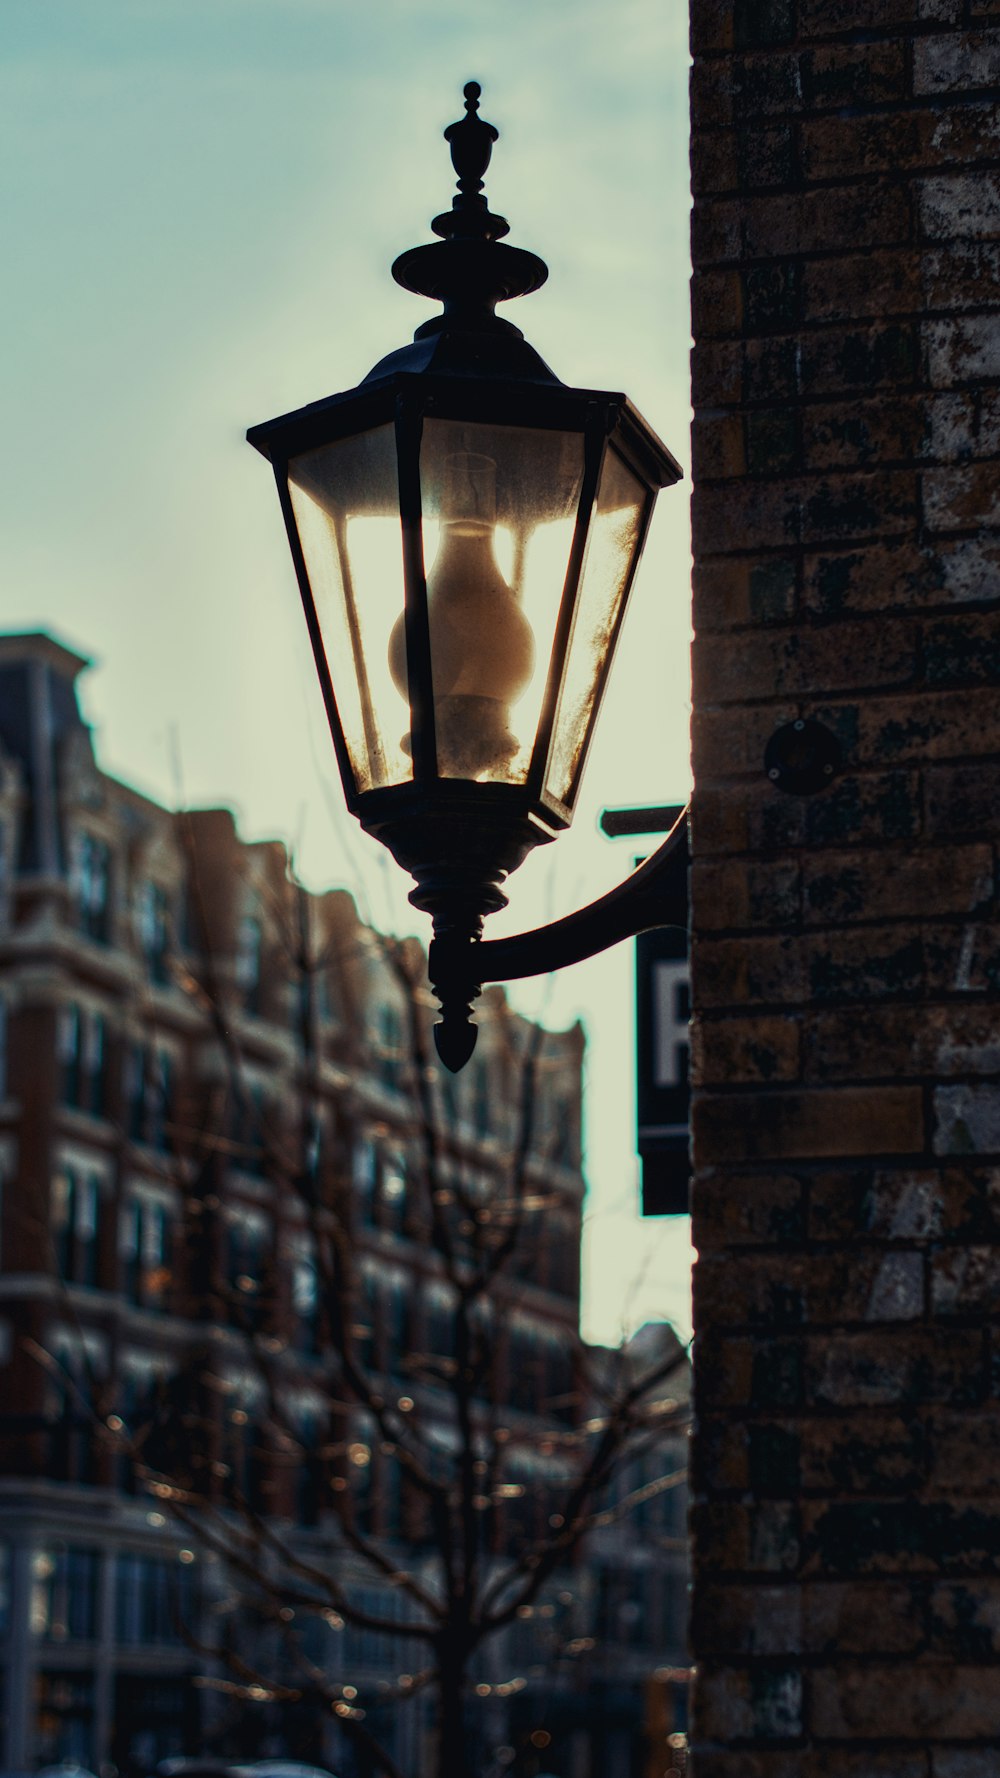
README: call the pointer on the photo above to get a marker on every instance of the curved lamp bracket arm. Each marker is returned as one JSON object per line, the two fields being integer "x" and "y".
{"x": 458, "y": 967}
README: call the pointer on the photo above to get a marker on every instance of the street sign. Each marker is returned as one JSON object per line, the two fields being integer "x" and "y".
{"x": 663, "y": 1092}
{"x": 662, "y": 1019}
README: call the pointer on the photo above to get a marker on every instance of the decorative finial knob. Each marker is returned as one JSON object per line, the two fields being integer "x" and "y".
{"x": 471, "y": 142}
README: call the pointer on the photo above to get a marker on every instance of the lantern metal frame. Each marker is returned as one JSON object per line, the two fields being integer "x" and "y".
{"x": 460, "y": 838}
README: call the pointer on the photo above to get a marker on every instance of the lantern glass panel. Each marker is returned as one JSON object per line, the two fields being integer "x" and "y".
{"x": 499, "y": 513}
{"x": 345, "y": 497}
{"x": 616, "y": 530}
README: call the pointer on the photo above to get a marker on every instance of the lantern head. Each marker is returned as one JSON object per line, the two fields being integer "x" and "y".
{"x": 465, "y": 530}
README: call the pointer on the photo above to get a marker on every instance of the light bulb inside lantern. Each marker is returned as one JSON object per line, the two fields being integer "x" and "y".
{"x": 482, "y": 646}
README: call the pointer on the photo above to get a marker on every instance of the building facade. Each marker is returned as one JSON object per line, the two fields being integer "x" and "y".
{"x": 220, "y": 1261}
{"x": 845, "y": 932}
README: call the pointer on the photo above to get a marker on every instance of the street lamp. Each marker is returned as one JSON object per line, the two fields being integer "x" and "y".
{"x": 465, "y": 530}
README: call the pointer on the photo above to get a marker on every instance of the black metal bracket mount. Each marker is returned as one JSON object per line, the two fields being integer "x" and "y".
{"x": 459, "y": 966}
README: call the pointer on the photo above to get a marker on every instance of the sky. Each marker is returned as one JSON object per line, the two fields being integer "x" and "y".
{"x": 201, "y": 202}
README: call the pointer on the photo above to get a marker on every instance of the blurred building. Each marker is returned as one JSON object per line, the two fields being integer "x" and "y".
{"x": 188, "y": 1039}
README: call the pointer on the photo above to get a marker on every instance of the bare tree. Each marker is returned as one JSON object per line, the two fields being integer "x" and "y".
{"x": 427, "y": 1473}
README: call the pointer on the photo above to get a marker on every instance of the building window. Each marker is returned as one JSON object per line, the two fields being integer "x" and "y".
{"x": 75, "y": 1222}
{"x": 305, "y": 1304}
{"x": 365, "y": 1170}
{"x": 81, "y": 1047}
{"x": 390, "y": 1060}
{"x": 392, "y": 1192}
{"x": 249, "y": 958}
{"x": 149, "y": 1089}
{"x": 482, "y": 1116}
{"x": 92, "y": 887}
{"x": 154, "y": 1597}
{"x": 153, "y": 924}
{"x": 64, "y": 1719}
{"x": 145, "y": 1249}
{"x": 69, "y": 1412}
{"x": 64, "y": 1593}
{"x": 248, "y": 1239}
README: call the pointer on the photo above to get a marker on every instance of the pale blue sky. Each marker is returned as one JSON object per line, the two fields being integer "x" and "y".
{"x": 201, "y": 200}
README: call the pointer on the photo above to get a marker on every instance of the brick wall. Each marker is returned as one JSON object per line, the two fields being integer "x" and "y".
{"x": 846, "y": 296}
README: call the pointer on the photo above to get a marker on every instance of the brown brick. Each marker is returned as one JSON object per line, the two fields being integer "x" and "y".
{"x": 751, "y": 1210}
{"x": 773, "y": 1764}
{"x": 746, "y": 971}
{"x": 854, "y": 74}
{"x": 716, "y": 304}
{"x": 816, "y": 222}
{"x": 868, "y": 964}
{"x": 714, "y": 167}
{"x": 816, "y": 1124}
{"x": 740, "y": 590}
{"x": 961, "y": 499}
{"x": 738, "y": 1371}
{"x": 911, "y": 882}
{"x": 741, "y": 895}
{"x": 725, "y": 744}
{"x": 757, "y": 1049}
{"x": 882, "y": 356}
{"x": 858, "y": 286}
{"x": 870, "y": 1453}
{"x": 715, "y": 231}
{"x": 784, "y": 1291}
{"x": 717, "y": 373}
{"x": 748, "y": 517}
{"x": 931, "y": 727}
{"x": 828, "y": 18}
{"x": 960, "y": 206}
{"x": 717, "y": 447}
{"x": 956, "y": 62}
{"x": 889, "y": 1204}
{"x": 965, "y": 1448}
{"x": 966, "y": 1281}
{"x": 719, "y": 1459}
{"x": 711, "y": 95}
{"x": 960, "y": 275}
{"x": 962, "y": 649}
{"x": 759, "y": 1539}
{"x": 908, "y": 1702}
{"x": 894, "y": 1367}
{"x": 711, "y": 27}
{"x": 962, "y": 800}
{"x": 813, "y": 662}
{"x": 851, "y": 147}
{"x": 961, "y": 350}
{"x": 963, "y": 426}
{"x": 901, "y": 1042}
{"x": 963, "y": 1762}
{"x": 749, "y": 1620}
{"x": 881, "y": 577}
{"x": 818, "y": 1762}
{"x": 963, "y": 958}
{"x": 964, "y": 1621}
{"x": 836, "y": 508}
{"x": 874, "y": 806}
{"x": 862, "y": 1619}
{"x": 853, "y": 434}
{"x": 765, "y": 87}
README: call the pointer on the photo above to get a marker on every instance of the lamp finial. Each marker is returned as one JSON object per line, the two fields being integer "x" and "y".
{"x": 471, "y": 142}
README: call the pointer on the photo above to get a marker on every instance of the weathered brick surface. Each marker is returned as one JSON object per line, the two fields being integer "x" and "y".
{"x": 846, "y": 950}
